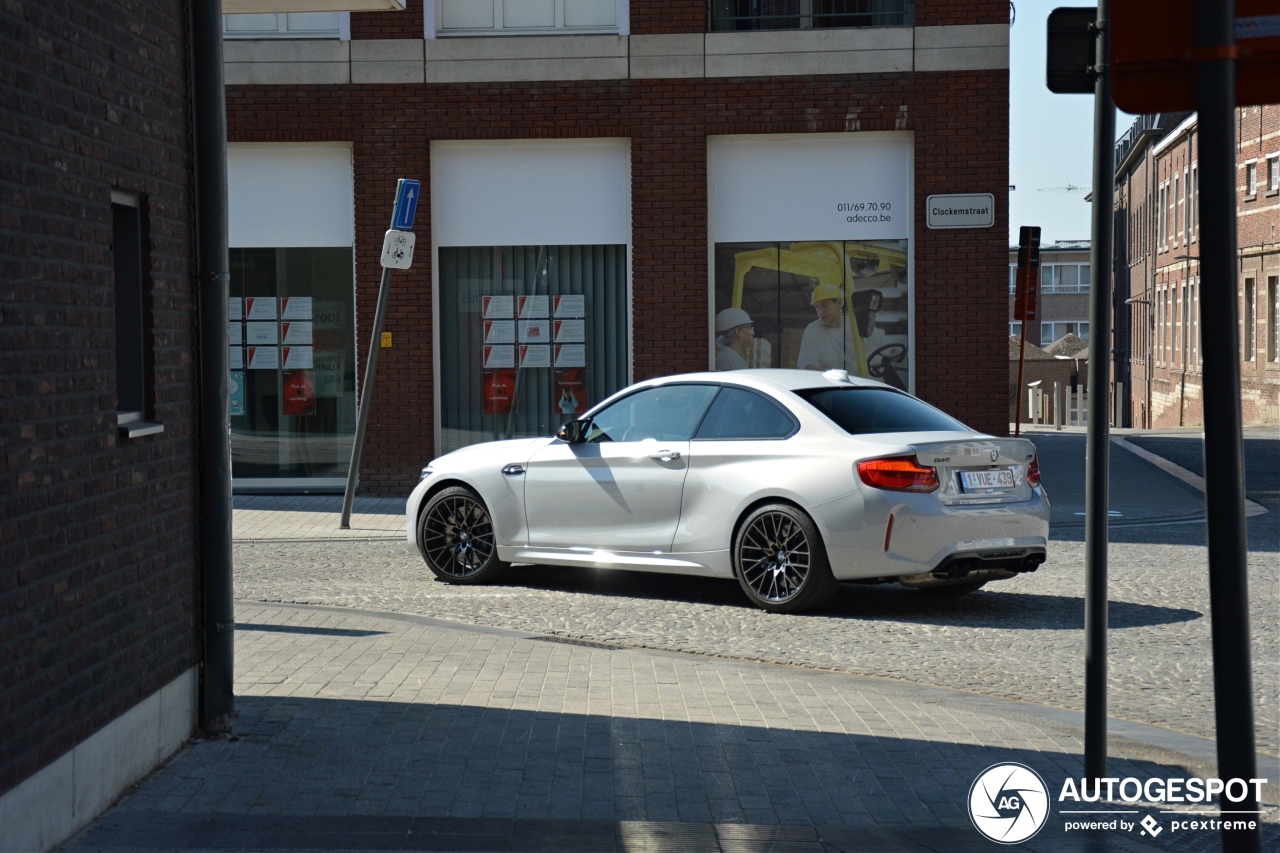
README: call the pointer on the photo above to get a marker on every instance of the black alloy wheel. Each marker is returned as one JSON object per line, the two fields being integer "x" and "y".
{"x": 781, "y": 562}
{"x": 456, "y": 538}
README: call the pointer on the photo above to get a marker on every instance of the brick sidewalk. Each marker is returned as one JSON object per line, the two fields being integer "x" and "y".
{"x": 360, "y": 730}
{"x": 310, "y": 517}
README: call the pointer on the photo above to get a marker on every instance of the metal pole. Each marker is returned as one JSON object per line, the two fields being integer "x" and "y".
{"x": 217, "y": 697}
{"x": 366, "y": 396}
{"x": 1223, "y": 451}
{"x": 1096, "y": 470}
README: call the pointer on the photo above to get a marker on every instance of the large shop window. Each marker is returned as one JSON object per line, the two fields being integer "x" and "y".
{"x": 292, "y": 363}
{"x": 534, "y": 335}
{"x": 292, "y": 315}
{"x": 812, "y": 255}
{"x": 531, "y": 281}
{"x": 808, "y": 14}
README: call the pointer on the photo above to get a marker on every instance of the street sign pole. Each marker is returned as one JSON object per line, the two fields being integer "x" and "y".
{"x": 402, "y": 216}
{"x": 1223, "y": 453}
{"x": 1097, "y": 452}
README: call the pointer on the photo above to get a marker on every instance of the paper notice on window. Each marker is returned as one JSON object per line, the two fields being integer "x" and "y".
{"x": 538, "y": 355}
{"x": 295, "y": 308}
{"x": 264, "y": 358}
{"x": 235, "y": 393}
{"x": 260, "y": 307}
{"x": 236, "y": 359}
{"x": 571, "y": 355}
{"x": 262, "y": 333}
{"x": 570, "y": 306}
{"x": 295, "y": 332}
{"x": 235, "y": 308}
{"x": 535, "y": 331}
{"x": 499, "y": 331}
{"x": 298, "y": 358}
{"x": 531, "y": 307}
{"x": 235, "y": 333}
{"x": 497, "y": 307}
{"x": 571, "y": 331}
{"x": 503, "y": 355}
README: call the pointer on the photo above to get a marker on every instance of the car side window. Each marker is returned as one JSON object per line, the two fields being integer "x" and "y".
{"x": 666, "y": 413}
{"x": 741, "y": 414}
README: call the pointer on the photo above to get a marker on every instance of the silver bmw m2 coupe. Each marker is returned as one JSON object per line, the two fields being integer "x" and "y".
{"x": 790, "y": 481}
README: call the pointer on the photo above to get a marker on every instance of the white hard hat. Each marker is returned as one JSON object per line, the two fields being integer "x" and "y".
{"x": 731, "y": 318}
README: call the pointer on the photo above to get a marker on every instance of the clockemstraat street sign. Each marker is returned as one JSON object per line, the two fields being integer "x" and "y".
{"x": 964, "y": 210}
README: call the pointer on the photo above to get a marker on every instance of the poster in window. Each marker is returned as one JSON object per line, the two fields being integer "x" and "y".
{"x": 570, "y": 306}
{"x": 261, "y": 333}
{"x": 235, "y": 393}
{"x": 502, "y": 355}
{"x": 499, "y": 331}
{"x": 570, "y": 331}
{"x": 264, "y": 358}
{"x": 533, "y": 307}
{"x": 570, "y": 355}
{"x": 235, "y": 333}
{"x": 497, "y": 307}
{"x": 535, "y": 355}
{"x": 535, "y": 331}
{"x": 260, "y": 308}
{"x": 571, "y": 391}
{"x": 235, "y": 308}
{"x": 295, "y": 308}
{"x": 296, "y": 332}
{"x": 499, "y": 391}
{"x": 814, "y": 305}
{"x": 298, "y": 358}
{"x": 299, "y": 393}
{"x": 237, "y": 358}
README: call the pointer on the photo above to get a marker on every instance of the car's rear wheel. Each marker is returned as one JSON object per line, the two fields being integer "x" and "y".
{"x": 781, "y": 562}
{"x": 456, "y": 538}
{"x": 954, "y": 590}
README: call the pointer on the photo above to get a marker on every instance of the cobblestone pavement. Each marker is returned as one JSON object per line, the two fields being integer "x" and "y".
{"x": 1021, "y": 638}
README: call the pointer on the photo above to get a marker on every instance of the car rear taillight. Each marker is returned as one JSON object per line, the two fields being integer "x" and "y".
{"x": 898, "y": 474}
{"x": 1033, "y": 472}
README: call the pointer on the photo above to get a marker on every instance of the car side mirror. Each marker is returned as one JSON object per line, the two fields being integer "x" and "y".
{"x": 574, "y": 432}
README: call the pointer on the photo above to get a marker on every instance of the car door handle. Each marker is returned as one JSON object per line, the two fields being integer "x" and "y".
{"x": 513, "y": 469}
{"x": 665, "y": 455}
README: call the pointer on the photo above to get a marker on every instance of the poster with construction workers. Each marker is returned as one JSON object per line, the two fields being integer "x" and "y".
{"x": 816, "y": 305}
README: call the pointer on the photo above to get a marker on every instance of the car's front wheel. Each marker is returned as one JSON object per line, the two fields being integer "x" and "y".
{"x": 456, "y": 537}
{"x": 781, "y": 562}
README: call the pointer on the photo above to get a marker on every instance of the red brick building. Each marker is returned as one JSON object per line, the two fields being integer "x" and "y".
{"x": 1159, "y": 345}
{"x": 600, "y": 186}
{"x": 100, "y": 564}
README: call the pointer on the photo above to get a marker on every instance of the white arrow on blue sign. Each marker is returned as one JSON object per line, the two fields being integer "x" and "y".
{"x": 407, "y": 192}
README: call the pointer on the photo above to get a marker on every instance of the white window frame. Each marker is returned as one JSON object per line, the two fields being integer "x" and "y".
{"x": 1273, "y": 173}
{"x": 1273, "y": 328}
{"x": 1045, "y": 341}
{"x": 1193, "y": 188}
{"x": 1015, "y": 328}
{"x": 1048, "y": 271}
{"x": 620, "y": 25}
{"x": 342, "y": 30}
{"x": 1249, "y": 336}
{"x": 1251, "y": 178}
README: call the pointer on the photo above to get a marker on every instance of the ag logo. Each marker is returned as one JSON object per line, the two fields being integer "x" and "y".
{"x": 1008, "y": 803}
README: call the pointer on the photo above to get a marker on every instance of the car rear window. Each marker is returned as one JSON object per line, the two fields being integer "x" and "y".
{"x": 860, "y": 411}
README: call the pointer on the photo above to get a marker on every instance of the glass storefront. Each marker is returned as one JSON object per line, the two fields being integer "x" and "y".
{"x": 292, "y": 391}
{"x": 814, "y": 305}
{"x": 529, "y": 337}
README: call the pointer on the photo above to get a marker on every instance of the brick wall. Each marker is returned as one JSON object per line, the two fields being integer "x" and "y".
{"x": 961, "y": 276}
{"x": 389, "y": 25}
{"x": 98, "y": 564}
{"x": 663, "y": 16}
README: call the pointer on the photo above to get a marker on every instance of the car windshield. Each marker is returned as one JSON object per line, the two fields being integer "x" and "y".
{"x": 861, "y": 411}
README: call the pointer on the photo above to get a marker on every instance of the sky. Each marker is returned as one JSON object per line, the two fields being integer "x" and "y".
{"x": 1050, "y": 137}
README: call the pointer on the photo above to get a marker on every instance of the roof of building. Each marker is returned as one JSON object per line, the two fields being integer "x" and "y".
{"x": 1033, "y": 352}
{"x": 1069, "y": 346}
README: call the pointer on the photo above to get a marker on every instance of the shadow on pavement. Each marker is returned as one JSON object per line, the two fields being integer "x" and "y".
{"x": 327, "y": 774}
{"x": 989, "y": 607}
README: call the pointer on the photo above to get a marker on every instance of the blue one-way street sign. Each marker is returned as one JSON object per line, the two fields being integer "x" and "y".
{"x": 407, "y": 192}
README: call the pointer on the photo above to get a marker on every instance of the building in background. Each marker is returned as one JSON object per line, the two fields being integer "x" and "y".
{"x": 1063, "y": 307}
{"x": 1159, "y": 348}
{"x": 602, "y": 179}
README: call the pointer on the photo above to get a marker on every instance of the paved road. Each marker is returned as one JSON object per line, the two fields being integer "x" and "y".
{"x": 1021, "y": 639}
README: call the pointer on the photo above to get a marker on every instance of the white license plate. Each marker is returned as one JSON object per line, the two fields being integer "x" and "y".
{"x": 986, "y": 481}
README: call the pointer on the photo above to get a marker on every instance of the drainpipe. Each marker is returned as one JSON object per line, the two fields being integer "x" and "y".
{"x": 217, "y": 700}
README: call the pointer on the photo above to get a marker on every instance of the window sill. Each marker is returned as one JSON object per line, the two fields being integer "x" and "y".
{"x": 531, "y": 31}
{"x": 131, "y": 425}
